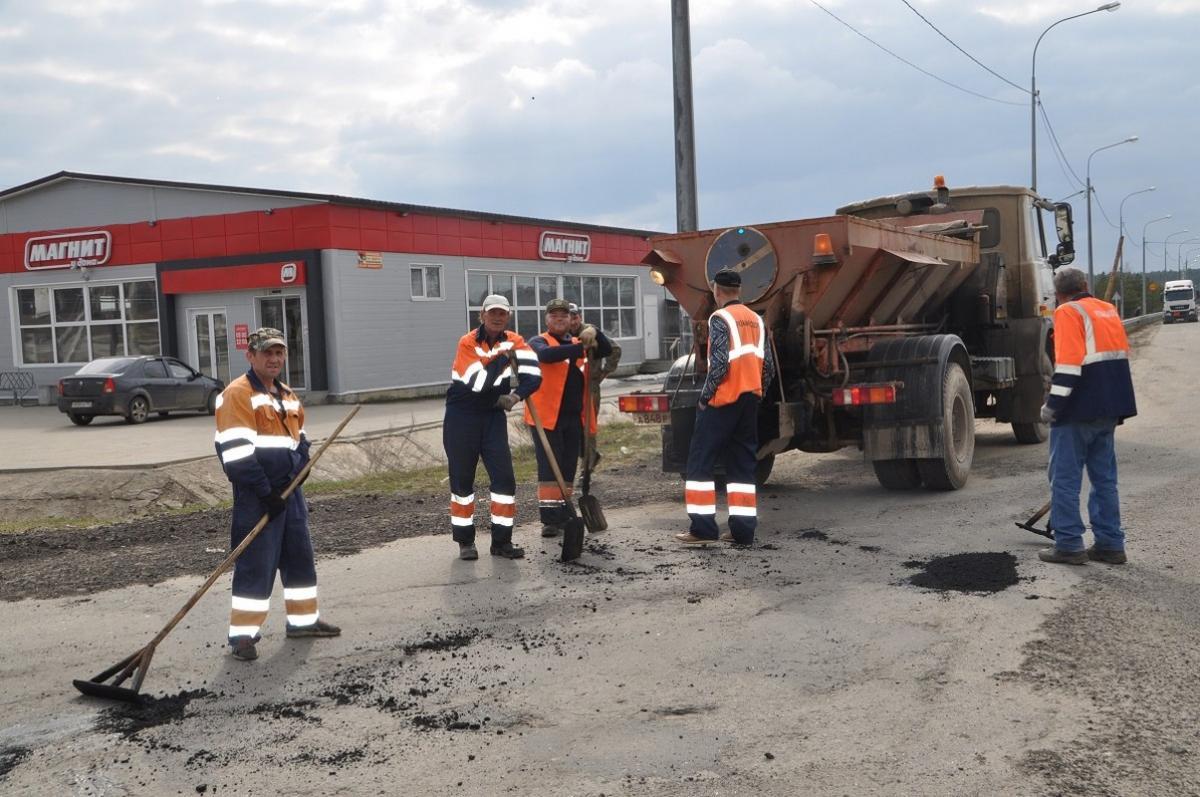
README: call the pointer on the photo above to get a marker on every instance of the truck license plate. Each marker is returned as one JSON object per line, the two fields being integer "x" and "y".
{"x": 81, "y": 405}
{"x": 651, "y": 417}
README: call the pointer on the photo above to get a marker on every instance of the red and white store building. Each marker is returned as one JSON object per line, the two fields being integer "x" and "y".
{"x": 371, "y": 295}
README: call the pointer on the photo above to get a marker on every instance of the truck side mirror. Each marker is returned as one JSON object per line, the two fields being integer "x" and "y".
{"x": 1065, "y": 251}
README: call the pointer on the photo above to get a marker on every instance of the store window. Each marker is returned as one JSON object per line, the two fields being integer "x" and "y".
{"x": 607, "y": 302}
{"x": 426, "y": 281}
{"x": 73, "y": 324}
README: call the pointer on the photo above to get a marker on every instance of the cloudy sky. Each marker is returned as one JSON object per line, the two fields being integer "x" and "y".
{"x": 562, "y": 108}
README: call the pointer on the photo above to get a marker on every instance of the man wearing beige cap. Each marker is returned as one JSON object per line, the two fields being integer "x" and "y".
{"x": 262, "y": 446}
{"x": 476, "y": 425}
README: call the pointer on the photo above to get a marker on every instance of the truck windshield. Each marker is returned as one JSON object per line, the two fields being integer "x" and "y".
{"x": 1178, "y": 295}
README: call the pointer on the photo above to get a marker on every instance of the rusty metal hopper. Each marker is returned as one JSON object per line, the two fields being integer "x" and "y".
{"x": 879, "y": 275}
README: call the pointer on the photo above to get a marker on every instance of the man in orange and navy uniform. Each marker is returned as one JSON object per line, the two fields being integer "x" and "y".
{"x": 476, "y": 425}
{"x": 262, "y": 446}
{"x": 560, "y": 407}
{"x": 1091, "y": 392}
{"x": 740, "y": 367}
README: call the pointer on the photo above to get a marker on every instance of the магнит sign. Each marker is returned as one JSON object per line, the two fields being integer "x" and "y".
{"x": 70, "y": 250}
{"x": 564, "y": 246}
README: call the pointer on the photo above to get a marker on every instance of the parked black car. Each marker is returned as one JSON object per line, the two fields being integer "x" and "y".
{"x": 134, "y": 387}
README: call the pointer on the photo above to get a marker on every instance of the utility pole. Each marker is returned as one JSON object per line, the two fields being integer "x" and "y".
{"x": 686, "y": 212}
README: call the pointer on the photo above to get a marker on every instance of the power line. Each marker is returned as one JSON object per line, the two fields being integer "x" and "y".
{"x": 910, "y": 63}
{"x": 1103, "y": 213}
{"x": 961, "y": 50}
{"x": 1057, "y": 146}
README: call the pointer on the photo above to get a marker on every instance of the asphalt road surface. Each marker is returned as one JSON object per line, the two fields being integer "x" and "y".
{"x": 831, "y": 658}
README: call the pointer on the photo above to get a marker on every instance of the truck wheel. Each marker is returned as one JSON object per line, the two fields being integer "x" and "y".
{"x": 950, "y": 471}
{"x": 1029, "y": 433}
{"x": 762, "y": 470}
{"x": 897, "y": 474}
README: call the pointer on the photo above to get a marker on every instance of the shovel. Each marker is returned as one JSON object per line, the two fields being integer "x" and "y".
{"x": 589, "y": 506}
{"x": 572, "y": 545}
{"x": 137, "y": 663}
{"x": 1028, "y": 525}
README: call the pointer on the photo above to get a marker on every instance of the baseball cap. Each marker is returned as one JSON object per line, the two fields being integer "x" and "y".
{"x": 496, "y": 300}
{"x": 264, "y": 338}
{"x": 558, "y": 305}
{"x": 573, "y": 308}
{"x": 728, "y": 278}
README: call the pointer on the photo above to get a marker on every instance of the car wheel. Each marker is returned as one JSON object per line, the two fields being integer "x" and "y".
{"x": 138, "y": 410}
{"x": 80, "y": 420}
{"x": 211, "y": 404}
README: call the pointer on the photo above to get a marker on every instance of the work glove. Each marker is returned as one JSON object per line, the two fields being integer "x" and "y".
{"x": 507, "y": 401}
{"x": 275, "y": 503}
{"x": 1047, "y": 414}
{"x": 587, "y": 336}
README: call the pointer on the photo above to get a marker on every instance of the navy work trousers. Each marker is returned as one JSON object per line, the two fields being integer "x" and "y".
{"x": 566, "y": 439}
{"x": 731, "y": 433}
{"x": 467, "y": 436}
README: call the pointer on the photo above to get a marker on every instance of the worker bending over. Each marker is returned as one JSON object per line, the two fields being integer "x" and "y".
{"x": 740, "y": 367}
{"x": 1090, "y": 393}
{"x": 262, "y": 446}
{"x": 559, "y": 404}
{"x": 475, "y": 425}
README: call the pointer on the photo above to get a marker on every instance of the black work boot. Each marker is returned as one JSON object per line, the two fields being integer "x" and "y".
{"x": 1055, "y": 556}
{"x": 551, "y": 530}
{"x": 1107, "y": 556}
{"x": 467, "y": 551}
{"x": 508, "y": 551}
{"x": 243, "y": 648}
{"x": 318, "y": 629}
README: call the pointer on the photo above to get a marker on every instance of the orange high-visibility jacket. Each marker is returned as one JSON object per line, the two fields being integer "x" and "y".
{"x": 747, "y": 339}
{"x": 1091, "y": 363}
{"x": 260, "y": 437}
{"x": 548, "y": 397}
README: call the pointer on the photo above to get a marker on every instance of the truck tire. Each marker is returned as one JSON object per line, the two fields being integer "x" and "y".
{"x": 1030, "y": 433}
{"x": 897, "y": 474}
{"x": 950, "y": 471}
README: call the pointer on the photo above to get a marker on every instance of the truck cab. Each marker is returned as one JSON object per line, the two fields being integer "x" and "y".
{"x": 1179, "y": 301}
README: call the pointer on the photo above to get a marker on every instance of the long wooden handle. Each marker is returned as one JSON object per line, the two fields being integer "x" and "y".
{"x": 254, "y": 532}
{"x": 562, "y": 485}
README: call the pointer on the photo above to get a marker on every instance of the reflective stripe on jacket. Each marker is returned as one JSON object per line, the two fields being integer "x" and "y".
{"x": 480, "y": 375}
{"x": 548, "y": 398}
{"x": 747, "y": 338}
{"x": 1091, "y": 363}
{"x": 260, "y": 437}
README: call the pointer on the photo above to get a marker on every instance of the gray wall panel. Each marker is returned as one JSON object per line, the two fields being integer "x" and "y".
{"x": 87, "y": 203}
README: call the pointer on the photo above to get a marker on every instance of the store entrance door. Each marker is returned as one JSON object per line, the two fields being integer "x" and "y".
{"x": 286, "y": 313}
{"x": 210, "y": 343}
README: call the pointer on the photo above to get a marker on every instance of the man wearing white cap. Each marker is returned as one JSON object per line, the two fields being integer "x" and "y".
{"x": 476, "y": 425}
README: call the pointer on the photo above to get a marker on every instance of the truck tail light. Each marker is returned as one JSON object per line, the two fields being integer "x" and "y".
{"x": 655, "y": 402}
{"x": 823, "y": 250}
{"x": 109, "y": 386}
{"x": 857, "y": 395}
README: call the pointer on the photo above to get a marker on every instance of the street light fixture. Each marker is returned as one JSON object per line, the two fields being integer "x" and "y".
{"x": 1130, "y": 140}
{"x": 1179, "y": 251}
{"x": 1166, "y": 263}
{"x": 1144, "y": 226}
{"x": 1033, "y": 95}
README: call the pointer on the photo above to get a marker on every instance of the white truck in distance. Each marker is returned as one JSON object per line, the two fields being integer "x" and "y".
{"x": 1179, "y": 301}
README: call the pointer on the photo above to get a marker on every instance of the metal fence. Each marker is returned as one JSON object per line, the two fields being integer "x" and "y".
{"x": 20, "y": 384}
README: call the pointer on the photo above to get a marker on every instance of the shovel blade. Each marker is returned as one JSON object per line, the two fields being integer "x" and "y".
{"x": 593, "y": 515}
{"x": 107, "y": 691}
{"x": 572, "y": 544}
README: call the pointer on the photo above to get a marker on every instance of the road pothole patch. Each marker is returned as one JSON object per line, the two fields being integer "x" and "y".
{"x": 966, "y": 572}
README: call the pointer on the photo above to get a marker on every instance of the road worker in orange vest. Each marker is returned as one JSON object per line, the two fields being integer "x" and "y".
{"x": 1091, "y": 392}
{"x": 559, "y": 403}
{"x": 602, "y": 367}
{"x": 740, "y": 367}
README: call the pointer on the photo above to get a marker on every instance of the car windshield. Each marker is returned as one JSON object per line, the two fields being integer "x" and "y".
{"x": 107, "y": 365}
{"x": 1179, "y": 294}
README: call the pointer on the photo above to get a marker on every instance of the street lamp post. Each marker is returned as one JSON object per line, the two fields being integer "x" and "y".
{"x": 1179, "y": 253}
{"x": 1091, "y": 249}
{"x": 1165, "y": 240}
{"x": 1033, "y": 95}
{"x": 1145, "y": 306}
{"x": 1121, "y": 230}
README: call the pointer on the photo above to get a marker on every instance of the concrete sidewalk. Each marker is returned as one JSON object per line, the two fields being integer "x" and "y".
{"x": 43, "y": 438}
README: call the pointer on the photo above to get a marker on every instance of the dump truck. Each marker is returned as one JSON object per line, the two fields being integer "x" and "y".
{"x": 895, "y": 323}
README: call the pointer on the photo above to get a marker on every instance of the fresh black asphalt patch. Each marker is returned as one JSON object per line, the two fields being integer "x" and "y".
{"x": 966, "y": 572}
